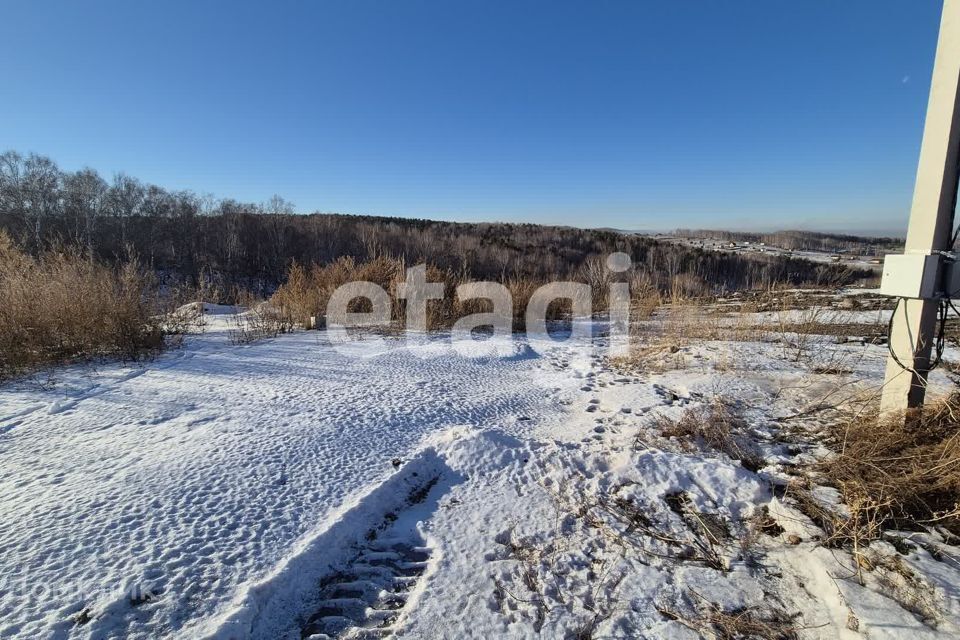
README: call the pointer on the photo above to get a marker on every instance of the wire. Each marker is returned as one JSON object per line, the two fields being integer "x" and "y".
{"x": 893, "y": 354}
{"x": 943, "y": 308}
{"x": 955, "y": 310}
{"x": 941, "y": 340}
{"x": 944, "y": 305}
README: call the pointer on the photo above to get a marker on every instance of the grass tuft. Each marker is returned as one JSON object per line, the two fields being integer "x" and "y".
{"x": 907, "y": 470}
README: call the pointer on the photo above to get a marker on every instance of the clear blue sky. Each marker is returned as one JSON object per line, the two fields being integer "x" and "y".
{"x": 635, "y": 114}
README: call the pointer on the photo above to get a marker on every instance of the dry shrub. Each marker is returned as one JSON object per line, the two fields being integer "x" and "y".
{"x": 298, "y": 297}
{"x": 305, "y": 293}
{"x": 693, "y": 321}
{"x": 260, "y": 320}
{"x": 715, "y": 426}
{"x": 749, "y": 623}
{"x": 644, "y": 296}
{"x": 802, "y": 332}
{"x": 444, "y": 312}
{"x": 862, "y": 523}
{"x": 382, "y": 271}
{"x": 62, "y": 306}
{"x": 662, "y": 336}
{"x": 907, "y": 469}
{"x": 521, "y": 290}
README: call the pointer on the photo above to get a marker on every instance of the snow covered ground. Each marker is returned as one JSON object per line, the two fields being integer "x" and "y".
{"x": 288, "y": 489}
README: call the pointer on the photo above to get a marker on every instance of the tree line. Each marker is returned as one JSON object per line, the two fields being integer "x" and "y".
{"x": 187, "y": 238}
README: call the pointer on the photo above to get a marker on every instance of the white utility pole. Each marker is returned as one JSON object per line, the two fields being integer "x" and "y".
{"x": 918, "y": 277}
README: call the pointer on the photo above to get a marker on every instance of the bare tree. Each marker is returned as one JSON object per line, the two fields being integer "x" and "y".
{"x": 84, "y": 202}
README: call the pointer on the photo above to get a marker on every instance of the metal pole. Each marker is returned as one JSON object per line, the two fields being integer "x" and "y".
{"x": 931, "y": 219}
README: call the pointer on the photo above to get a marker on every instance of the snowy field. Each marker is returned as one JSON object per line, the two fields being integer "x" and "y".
{"x": 288, "y": 489}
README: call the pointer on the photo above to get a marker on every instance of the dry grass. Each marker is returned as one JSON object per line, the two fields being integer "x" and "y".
{"x": 307, "y": 291}
{"x": 907, "y": 471}
{"x": 654, "y": 356}
{"x": 61, "y": 307}
{"x": 537, "y": 585}
{"x": 716, "y": 426}
{"x": 863, "y": 523}
{"x": 804, "y": 335}
{"x": 650, "y": 528}
{"x": 904, "y": 585}
{"x": 663, "y": 330}
{"x": 710, "y": 620}
{"x": 749, "y": 623}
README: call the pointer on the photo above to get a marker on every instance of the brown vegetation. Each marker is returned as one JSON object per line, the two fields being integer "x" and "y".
{"x": 717, "y": 426}
{"x": 255, "y": 320}
{"x": 61, "y": 306}
{"x": 303, "y": 297}
{"x": 901, "y": 473}
{"x": 712, "y": 621}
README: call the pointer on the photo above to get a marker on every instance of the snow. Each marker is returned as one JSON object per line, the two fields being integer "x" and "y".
{"x": 234, "y": 492}
{"x": 192, "y": 476}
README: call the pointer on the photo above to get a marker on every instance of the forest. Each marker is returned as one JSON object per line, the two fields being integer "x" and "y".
{"x": 186, "y": 238}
